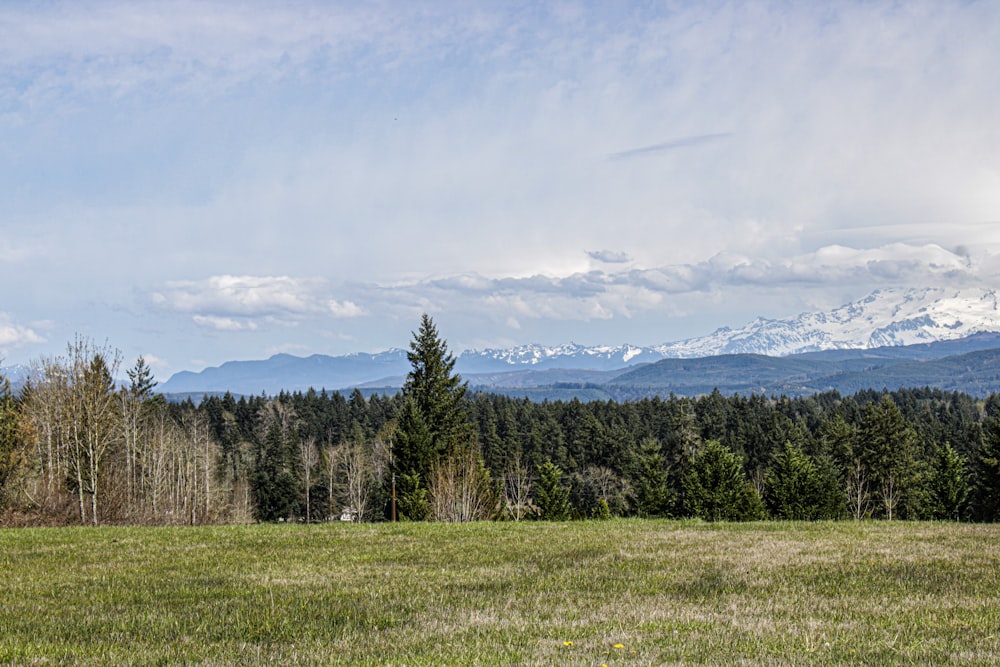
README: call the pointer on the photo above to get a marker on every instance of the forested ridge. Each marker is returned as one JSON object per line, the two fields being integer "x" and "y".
{"x": 76, "y": 448}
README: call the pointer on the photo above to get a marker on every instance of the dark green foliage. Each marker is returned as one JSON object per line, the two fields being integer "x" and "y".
{"x": 413, "y": 446}
{"x": 606, "y": 450}
{"x": 436, "y": 391}
{"x": 794, "y": 488}
{"x": 888, "y": 446}
{"x": 551, "y": 497}
{"x": 949, "y": 484}
{"x": 909, "y": 454}
{"x": 274, "y": 481}
{"x": 653, "y": 493}
{"x": 11, "y": 454}
{"x": 832, "y": 498}
{"x": 986, "y": 473}
{"x": 413, "y": 500}
{"x": 715, "y": 488}
{"x": 434, "y": 421}
{"x": 141, "y": 382}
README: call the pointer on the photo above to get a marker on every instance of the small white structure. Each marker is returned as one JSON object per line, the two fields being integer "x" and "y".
{"x": 348, "y": 514}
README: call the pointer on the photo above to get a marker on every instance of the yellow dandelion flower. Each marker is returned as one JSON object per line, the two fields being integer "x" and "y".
{"x": 619, "y": 645}
{"x": 567, "y": 643}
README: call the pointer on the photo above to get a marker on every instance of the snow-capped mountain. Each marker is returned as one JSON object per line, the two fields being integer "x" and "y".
{"x": 885, "y": 318}
{"x": 16, "y": 374}
{"x": 539, "y": 357}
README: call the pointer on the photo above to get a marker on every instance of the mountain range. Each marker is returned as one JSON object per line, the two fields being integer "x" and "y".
{"x": 872, "y": 342}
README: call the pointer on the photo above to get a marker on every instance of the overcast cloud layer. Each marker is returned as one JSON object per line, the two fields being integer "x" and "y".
{"x": 199, "y": 182}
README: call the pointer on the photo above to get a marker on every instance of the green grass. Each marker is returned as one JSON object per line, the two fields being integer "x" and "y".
{"x": 513, "y": 594}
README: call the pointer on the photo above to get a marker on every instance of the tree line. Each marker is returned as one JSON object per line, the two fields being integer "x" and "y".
{"x": 77, "y": 447}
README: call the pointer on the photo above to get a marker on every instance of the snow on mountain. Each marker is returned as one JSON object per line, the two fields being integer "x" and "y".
{"x": 888, "y": 317}
{"x": 569, "y": 355}
{"x": 16, "y": 374}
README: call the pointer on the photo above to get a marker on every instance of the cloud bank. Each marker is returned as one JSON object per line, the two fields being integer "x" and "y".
{"x": 246, "y": 303}
{"x": 221, "y": 179}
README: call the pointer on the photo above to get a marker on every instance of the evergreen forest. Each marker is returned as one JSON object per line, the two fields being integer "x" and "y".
{"x": 78, "y": 447}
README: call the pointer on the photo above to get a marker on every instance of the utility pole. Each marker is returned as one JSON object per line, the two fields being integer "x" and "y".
{"x": 393, "y": 497}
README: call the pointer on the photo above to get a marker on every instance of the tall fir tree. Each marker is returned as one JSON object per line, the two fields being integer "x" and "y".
{"x": 949, "y": 484}
{"x": 653, "y": 493}
{"x": 274, "y": 480}
{"x": 434, "y": 421}
{"x": 888, "y": 445}
{"x": 986, "y": 473}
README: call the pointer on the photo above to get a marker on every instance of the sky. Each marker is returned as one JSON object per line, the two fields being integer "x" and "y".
{"x": 197, "y": 182}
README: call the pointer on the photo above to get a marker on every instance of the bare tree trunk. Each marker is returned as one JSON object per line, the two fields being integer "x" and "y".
{"x": 517, "y": 489}
{"x": 310, "y": 457}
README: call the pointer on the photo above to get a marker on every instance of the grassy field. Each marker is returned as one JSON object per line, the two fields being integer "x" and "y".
{"x": 592, "y": 593}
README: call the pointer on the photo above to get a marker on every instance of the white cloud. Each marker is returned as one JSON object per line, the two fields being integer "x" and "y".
{"x": 345, "y": 309}
{"x": 602, "y": 295}
{"x": 247, "y": 296}
{"x": 224, "y": 323}
{"x": 155, "y": 362}
{"x": 455, "y": 158}
{"x": 15, "y": 335}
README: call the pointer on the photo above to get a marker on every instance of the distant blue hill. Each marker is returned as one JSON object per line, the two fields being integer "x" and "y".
{"x": 285, "y": 372}
{"x": 970, "y": 365}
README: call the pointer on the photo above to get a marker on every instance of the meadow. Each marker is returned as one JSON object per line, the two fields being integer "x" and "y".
{"x": 620, "y": 592}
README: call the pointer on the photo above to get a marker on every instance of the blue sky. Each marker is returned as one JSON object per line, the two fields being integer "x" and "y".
{"x": 204, "y": 181}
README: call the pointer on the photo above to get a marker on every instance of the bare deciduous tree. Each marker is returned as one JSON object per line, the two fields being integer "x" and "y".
{"x": 309, "y": 455}
{"x": 517, "y": 490}
{"x": 356, "y": 467}
{"x": 460, "y": 488}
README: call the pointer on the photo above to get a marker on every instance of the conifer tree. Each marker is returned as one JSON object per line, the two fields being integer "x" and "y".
{"x": 888, "y": 446}
{"x": 552, "y": 498}
{"x": 433, "y": 422}
{"x": 10, "y": 449}
{"x": 986, "y": 473}
{"x": 949, "y": 486}
{"x": 274, "y": 478}
{"x": 793, "y": 486}
{"x": 653, "y": 494}
{"x": 435, "y": 389}
{"x": 715, "y": 488}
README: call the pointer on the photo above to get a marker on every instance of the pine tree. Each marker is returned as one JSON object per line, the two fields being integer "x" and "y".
{"x": 715, "y": 488}
{"x": 793, "y": 486}
{"x": 552, "y": 498}
{"x": 986, "y": 473}
{"x": 141, "y": 380}
{"x": 653, "y": 494}
{"x": 435, "y": 389}
{"x": 433, "y": 422}
{"x": 888, "y": 446}
{"x": 949, "y": 486}
{"x": 274, "y": 479}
